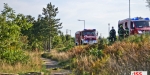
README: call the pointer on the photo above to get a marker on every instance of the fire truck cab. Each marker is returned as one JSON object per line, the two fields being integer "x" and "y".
{"x": 137, "y": 25}
{"x": 87, "y": 36}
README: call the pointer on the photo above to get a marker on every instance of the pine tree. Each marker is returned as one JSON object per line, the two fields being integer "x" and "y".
{"x": 53, "y": 24}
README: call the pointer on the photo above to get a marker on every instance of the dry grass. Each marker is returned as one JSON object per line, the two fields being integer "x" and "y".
{"x": 63, "y": 56}
{"x": 126, "y": 57}
{"x": 121, "y": 58}
{"x": 34, "y": 64}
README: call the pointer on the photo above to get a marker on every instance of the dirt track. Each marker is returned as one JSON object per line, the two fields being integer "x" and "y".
{"x": 50, "y": 64}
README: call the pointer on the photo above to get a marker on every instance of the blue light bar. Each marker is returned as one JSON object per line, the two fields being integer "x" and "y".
{"x": 132, "y": 18}
{"x": 146, "y": 18}
{"x": 136, "y": 18}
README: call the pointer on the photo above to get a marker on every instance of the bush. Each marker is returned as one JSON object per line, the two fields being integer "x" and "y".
{"x": 96, "y": 52}
{"x": 64, "y": 49}
{"x": 102, "y": 43}
{"x": 13, "y": 56}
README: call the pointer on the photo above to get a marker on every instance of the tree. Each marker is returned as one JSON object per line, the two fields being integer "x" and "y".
{"x": 53, "y": 24}
{"x": 11, "y": 42}
{"x": 11, "y": 26}
{"x": 45, "y": 28}
{"x": 148, "y": 3}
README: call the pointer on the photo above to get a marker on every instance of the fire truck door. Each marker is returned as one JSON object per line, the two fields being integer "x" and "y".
{"x": 132, "y": 28}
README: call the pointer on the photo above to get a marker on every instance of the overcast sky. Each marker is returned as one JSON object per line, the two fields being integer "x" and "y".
{"x": 96, "y": 13}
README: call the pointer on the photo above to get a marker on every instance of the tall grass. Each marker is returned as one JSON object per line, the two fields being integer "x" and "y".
{"x": 122, "y": 57}
{"x": 34, "y": 64}
{"x": 66, "y": 55}
{"x": 133, "y": 54}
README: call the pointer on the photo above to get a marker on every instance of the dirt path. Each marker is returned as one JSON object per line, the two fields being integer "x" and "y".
{"x": 50, "y": 64}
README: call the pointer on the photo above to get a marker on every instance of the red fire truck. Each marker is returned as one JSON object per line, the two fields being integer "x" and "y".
{"x": 137, "y": 25}
{"x": 87, "y": 36}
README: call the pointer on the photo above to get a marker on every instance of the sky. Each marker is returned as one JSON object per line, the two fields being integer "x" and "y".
{"x": 96, "y": 13}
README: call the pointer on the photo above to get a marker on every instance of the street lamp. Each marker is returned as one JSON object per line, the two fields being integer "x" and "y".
{"x": 84, "y": 22}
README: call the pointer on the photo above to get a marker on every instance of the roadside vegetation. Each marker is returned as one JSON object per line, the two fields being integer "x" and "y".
{"x": 122, "y": 57}
{"x": 32, "y": 64}
{"x": 23, "y": 39}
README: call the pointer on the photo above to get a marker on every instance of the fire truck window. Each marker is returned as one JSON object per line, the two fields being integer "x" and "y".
{"x": 89, "y": 33}
{"x": 132, "y": 25}
{"x": 140, "y": 24}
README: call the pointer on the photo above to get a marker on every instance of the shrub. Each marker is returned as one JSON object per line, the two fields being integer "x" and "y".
{"x": 96, "y": 52}
{"x": 102, "y": 43}
{"x": 13, "y": 56}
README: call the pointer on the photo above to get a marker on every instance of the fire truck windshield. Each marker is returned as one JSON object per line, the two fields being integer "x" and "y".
{"x": 89, "y": 33}
{"x": 140, "y": 24}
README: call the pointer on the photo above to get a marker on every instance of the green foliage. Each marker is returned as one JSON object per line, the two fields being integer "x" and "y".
{"x": 57, "y": 42}
{"x": 63, "y": 42}
{"x": 24, "y": 41}
{"x": 11, "y": 26}
{"x": 13, "y": 56}
{"x": 51, "y": 23}
{"x": 12, "y": 41}
{"x": 67, "y": 47}
{"x": 45, "y": 29}
{"x": 137, "y": 38}
{"x": 102, "y": 43}
{"x": 39, "y": 34}
{"x": 85, "y": 73}
{"x": 96, "y": 52}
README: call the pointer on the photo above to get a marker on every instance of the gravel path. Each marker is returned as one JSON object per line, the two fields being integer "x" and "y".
{"x": 50, "y": 64}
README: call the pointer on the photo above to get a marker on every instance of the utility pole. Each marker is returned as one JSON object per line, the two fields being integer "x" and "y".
{"x": 129, "y": 18}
